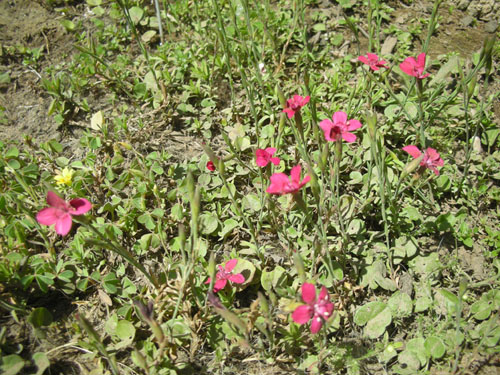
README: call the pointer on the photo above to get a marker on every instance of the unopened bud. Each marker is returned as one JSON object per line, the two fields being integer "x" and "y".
{"x": 299, "y": 265}
{"x": 411, "y": 166}
{"x": 281, "y": 97}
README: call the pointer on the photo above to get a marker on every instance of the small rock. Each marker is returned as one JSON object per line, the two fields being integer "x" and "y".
{"x": 491, "y": 27}
{"x": 467, "y": 20}
{"x": 388, "y": 45}
{"x": 463, "y": 4}
{"x": 476, "y": 145}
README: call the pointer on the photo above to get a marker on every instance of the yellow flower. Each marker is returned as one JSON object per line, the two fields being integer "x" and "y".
{"x": 64, "y": 177}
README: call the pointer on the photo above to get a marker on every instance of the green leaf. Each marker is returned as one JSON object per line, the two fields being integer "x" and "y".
{"x": 251, "y": 202}
{"x": 68, "y": 25}
{"x": 4, "y": 77}
{"x": 434, "y": 347}
{"x": 125, "y": 330}
{"x": 481, "y": 309}
{"x": 44, "y": 282}
{"x": 41, "y": 361}
{"x": 208, "y": 223}
{"x": 11, "y": 364}
{"x": 136, "y": 14}
{"x": 416, "y": 346}
{"x": 273, "y": 279}
{"x": 147, "y": 220}
{"x": 376, "y": 315}
{"x": 40, "y": 317}
{"x": 267, "y": 131}
{"x": 401, "y": 305}
{"x": 94, "y": 3}
{"x": 228, "y": 227}
{"x": 110, "y": 283}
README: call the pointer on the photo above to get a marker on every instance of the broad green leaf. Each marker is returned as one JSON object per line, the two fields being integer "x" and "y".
{"x": 208, "y": 223}
{"x": 401, "y": 305}
{"x": 409, "y": 359}
{"x": 228, "y": 227}
{"x": 251, "y": 202}
{"x": 125, "y": 330}
{"x": 376, "y": 315}
{"x": 68, "y": 25}
{"x": 148, "y": 35}
{"x": 416, "y": 346}
{"x": 481, "y": 309}
{"x": 41, "y": 361}
{"x": 40, "y": 317}
{"x": 434, "y": 347}
{"x": 136, "y": 14}
{"x": 11, "y": 364}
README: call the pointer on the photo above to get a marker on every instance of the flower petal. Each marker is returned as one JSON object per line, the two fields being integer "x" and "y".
{"x": 63, "y": 224}
{"x": 290, "y": 112}
{"x": 295, "y": 174}
{"x": 237, "y": 278}
{"x": 339, "y": 116}
{"x": 353, "y": 125}
{"x": 323, "y": 294}
{"x": 55, "y": 200}
{"x": 81, "y": 206}
{"x": 413, "y": 151}
{"x": 316, "y": 324}
{"x": 275, "y": 161}
{"x": 219, "y": 285}
{"x": 48, "y": 216}
{"x": 278, "y": 182}
{"x": 208, "y": 281}
{"x": 348, "y": 137}
{"x": 421, "y": 60}
{"x": 364, "y": 60}
{"x": 230, "y": 264}
{"x": 270, "y": 151}
{"x": 308, "y": 293}
{"x": 302, "y": 314}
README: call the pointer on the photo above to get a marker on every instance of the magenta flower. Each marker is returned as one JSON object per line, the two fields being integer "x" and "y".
{"x": 281, "y": 184}
{"x": 373, "y": 61}
{"x": 210, "y": 166}
{"x": 414, "y": 67}
{"x": 430, "y": 160}
{"x": 60, "y": 212}
{"x": 225, "y": 274}
{"x": 339, "y": 127}
{"x": 295, "y": 104}
{"x": 265, "y": 156}
{"x": 319, "y": 310}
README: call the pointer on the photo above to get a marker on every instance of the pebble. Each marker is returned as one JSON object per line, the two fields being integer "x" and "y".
{"x": 491, "y": 27}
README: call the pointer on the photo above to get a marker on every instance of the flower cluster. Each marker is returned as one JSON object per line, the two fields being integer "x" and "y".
{"x": 411, "y": 66}
{"x": 430, "y": 160}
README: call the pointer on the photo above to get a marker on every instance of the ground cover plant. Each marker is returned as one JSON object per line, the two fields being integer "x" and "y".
{"x": 253, "y": 187}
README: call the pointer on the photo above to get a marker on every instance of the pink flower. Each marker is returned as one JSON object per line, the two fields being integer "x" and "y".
{"x": 60, "y": 212}
{"x": 373, "y": 61}
{"x": 281, "y": 184}
{"x": 265, "y": 156}
{"x": 339, "y": 127}
{"x": 210, "y": 166}
{"x": 295, "y": 104}
{"x": 225, "y": 274}
{"x": 319, "y": 310}
{"x": 414, "y": 67}
{"x": 430, "y": 160}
